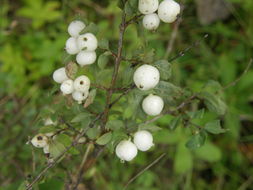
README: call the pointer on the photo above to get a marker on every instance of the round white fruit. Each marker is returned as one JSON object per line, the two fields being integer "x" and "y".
{"x": 143, "y": 140}
{"x": 75, "y": 27}
{"x": 87, "y": 42}
{"x": 168, "y": 11}
{"x": 126, "y": 150}
{"x": 80, "y": 96}
{"x": 67, "y": 87}
{"x": 60, "y": 75}
{"x": 82, "y": 83}
{"x": 71, "y": 46}
{"x": 152, "y": 105}
{"x": 40, "y": 141}
{"x": 151, "y": 21}
{"x": 146, "y": 77}
{"x": 86, "y": 57}
{"x": 148, "y": 6}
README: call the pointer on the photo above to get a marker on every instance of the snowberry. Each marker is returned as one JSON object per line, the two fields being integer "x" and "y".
{"x": 60, "y": 75}
{"x": 82, "y": 83}
{"x": 146, "y": 77}
{"x": 152, "y": 105}
{"x": 143, "y": 140}
{"x": 71, "y": 46}
{"x": 86, "y": 57}
{"x": 148, "y": 6}
{"x": 87, "y": 42}
{"x": 151, "y": 21}
{"x": 126, "y": 150}
{"x": 80, "y": 96}
{"x": 40, "y": 141}
{"x": 67, "y": 87}
{"x": 75, "y": 27}
{"x": 168, "y": 11}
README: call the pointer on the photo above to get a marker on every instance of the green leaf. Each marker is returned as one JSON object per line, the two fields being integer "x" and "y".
{"x": 103, "y": 44}
{"x": 56, "y": 149}
{"x": 164, "y": 68}
{"x": 183, "y": 159}
{"x": 80, "y": 117}
{"x": 209, "y": 152}
{"x": 40, "y": 12}
{"x": 149, "y": 127}
{"x": 214, "y": 127}
{"x": 114, "y": 124}
{"x": 103, "y": 60}
{"x": 92, "y": 28}
{"x": 196, "y": 114}
{"x": 104, "y": 139}
{"x": 64, "y": 139}
{"x": 174, "y": 123}
{"x": 196, "y": 141}
{"x": 93, "y": 133}
{"x": 47, "y": 129}
{"x": 214, "y": 103}
{"x": 121, "y": 4}
{"x": 22, "y": 186}
{"x": 131, "y": 7}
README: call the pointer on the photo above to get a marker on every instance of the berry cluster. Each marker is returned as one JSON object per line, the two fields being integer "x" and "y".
{"x": 79, "y": 88}
{"x": 126, "y": 150}
{"x": 146, "y": 77}
{"x": 167, "y": 11}
{"x": 84, "y": 45}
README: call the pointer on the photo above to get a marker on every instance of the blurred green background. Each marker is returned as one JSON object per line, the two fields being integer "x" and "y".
{"x": 32, "y": 37}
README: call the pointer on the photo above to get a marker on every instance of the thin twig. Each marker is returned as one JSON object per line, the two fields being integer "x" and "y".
{"x": 116, "y": 67}
{"x": 182, "y": 105}
{"x": 233, "y": 83}
{"x": 123, "y": 94}
{"x": 143, "y": 170}
{"x": 182, "y": 53}
{"x": 81, "y": 169}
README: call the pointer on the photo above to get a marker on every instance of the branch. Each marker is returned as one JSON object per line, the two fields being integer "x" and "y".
{"x": 182, "y": 105}
{"x": 233, "y": 83}
{"x": 143, "y": 170}
{"x": 52, "y": 164}
{"x": 116, "y": 67}
{"x": 81, "y": 170}
{"x": 182, "y": 53}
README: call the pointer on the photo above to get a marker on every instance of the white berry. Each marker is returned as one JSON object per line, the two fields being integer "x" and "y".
{"x": 152, "y": 105}
{"x": 87, "y": 42}
{"x": 71, "y": 46}
{"x": 82, "y": 83}
{"x": 75, "y": 27}
{"x": 60, "y": 75}
{"x": 67, "y": 87}
{"x": 40, "y": 141}
{"x": 143, "y": 140}
{"x": 126, "y": 150}
{"x": 146, "y": 77}
{"x": 168, "y": 11}
{"x": 148, "y": 6}
{"x": 86, "y": 57}
{"x": 151, "y": 21}
{"x": 80, "y": 96}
